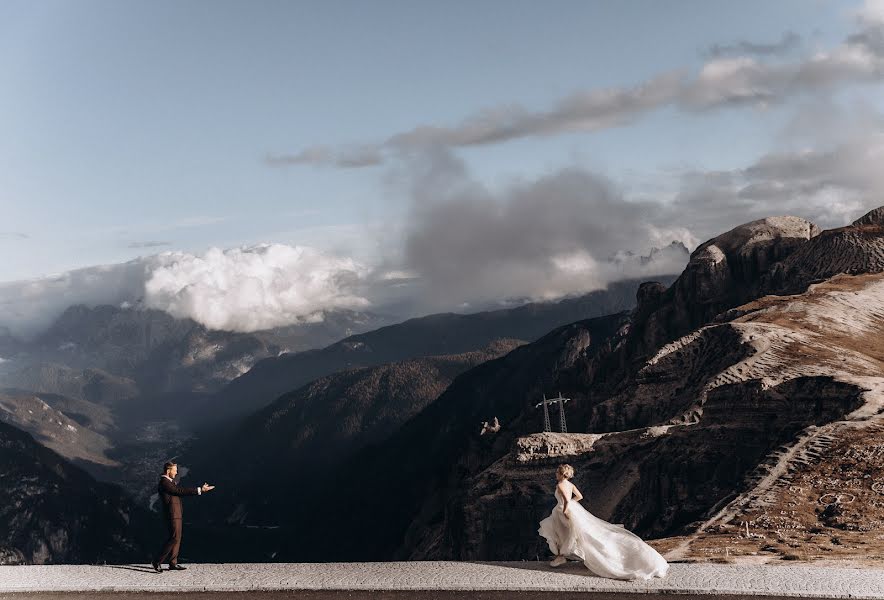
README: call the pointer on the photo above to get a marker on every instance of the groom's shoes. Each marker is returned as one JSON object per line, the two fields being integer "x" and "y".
{"x": 156, "y": 567}
{"x": 177, "y": 567}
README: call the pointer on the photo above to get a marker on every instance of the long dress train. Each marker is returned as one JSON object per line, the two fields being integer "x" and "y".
{"x": 606, "y": 549}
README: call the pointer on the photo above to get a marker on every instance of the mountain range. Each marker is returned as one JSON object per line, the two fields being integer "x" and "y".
{"x": 679, "y": 406}
{"x": 748, "y": 389}
{"x": 117, "y": 390}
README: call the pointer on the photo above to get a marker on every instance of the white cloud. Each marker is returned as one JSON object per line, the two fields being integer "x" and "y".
{"x": 246, "y": 289}
{"x": 872, "y": 12}
{"x": 241, "y": 289}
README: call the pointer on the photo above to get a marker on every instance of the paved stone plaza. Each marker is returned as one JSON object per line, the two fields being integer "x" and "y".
{"x": 449, "y": 577}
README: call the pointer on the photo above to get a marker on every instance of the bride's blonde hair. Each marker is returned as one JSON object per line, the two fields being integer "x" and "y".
{"x": 566, "y": 471}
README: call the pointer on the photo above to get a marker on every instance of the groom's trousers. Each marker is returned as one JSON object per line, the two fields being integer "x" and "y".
{"x": 172, "y": 545}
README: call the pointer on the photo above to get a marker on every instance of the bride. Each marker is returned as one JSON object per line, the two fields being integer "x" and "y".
{"x": 606, "y": 550}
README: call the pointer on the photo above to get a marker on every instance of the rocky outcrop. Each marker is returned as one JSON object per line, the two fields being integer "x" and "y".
{"x": 670, "y": 385}
{"x": 873, "y": 217}
{"x": 778, "y": 255}
{"x": 857, "y": 248}
{"x": 723, "y": 272}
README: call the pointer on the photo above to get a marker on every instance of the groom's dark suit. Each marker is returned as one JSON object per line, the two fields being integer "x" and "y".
{"x": 170, "y": 497}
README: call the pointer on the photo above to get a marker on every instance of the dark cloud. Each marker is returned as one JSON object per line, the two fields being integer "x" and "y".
{"x": 789, "y": 42}
{"x": 582, "y": 111}
{"x": 871, "y": 38}
{"x": 555, "y": 236}
{"x": 541, "y": 239}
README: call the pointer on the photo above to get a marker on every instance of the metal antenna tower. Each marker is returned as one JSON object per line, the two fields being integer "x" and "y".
{"x": 562, "y": 426}
{"x": 547, "y": 426}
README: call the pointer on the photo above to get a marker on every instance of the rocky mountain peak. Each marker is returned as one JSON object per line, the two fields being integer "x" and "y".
{"x": 649, "y": 294}
{"x": 854, "y": 249}
{"x": 742, "y": 239}
{"x": 733, "y": 262}
{"x": 673, "y": 253}
{"x": 873, "y": 217}
{"x": 722, "y": 272}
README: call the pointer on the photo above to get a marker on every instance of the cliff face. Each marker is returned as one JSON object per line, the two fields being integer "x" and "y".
{"x": 693, "y": 431}
{"x": 53, "y": 512}
{"x": 856, "y": 248}
{"x": 656, "y": 481}
{"x": 723, "y": 272}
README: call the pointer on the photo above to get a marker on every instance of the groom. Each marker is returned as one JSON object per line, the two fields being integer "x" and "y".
{"x": 170, "y": 497}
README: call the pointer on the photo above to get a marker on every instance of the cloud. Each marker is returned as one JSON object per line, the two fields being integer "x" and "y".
{"x": 348, "y": 158}
{"x": 465, "y": 245}
{"x": 830, "y": 187}
{"x": 825, "y": 168}
{"x": 789, "y": 42}
{"x": 29, "y": 307}
{"x": 538, "y": 240}
{"x": 871, "y": 13}
{"x": 13, "y": 235}
{"x": 733, "y": 77}
{"x": 239, "y": 289}
{"x": 148, "y": 244}
{"x": 582, "y": 111}
{"x": 566, "y": 232}
{"x": 246, "y": 289}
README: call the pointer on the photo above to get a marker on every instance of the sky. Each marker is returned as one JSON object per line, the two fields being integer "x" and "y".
{"x": 249, "y": 164}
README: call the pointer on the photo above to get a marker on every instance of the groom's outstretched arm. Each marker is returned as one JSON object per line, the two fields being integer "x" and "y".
{"x": 170, "y": 488}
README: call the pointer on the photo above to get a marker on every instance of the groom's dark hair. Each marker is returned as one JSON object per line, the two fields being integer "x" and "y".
{"x": 169, "y": 465}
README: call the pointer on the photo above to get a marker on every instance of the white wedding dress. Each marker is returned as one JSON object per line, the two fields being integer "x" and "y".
{"x": 606, "y": 550}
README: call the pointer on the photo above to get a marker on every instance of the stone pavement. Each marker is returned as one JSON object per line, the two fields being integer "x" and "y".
{"x": 417, "y": 578}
